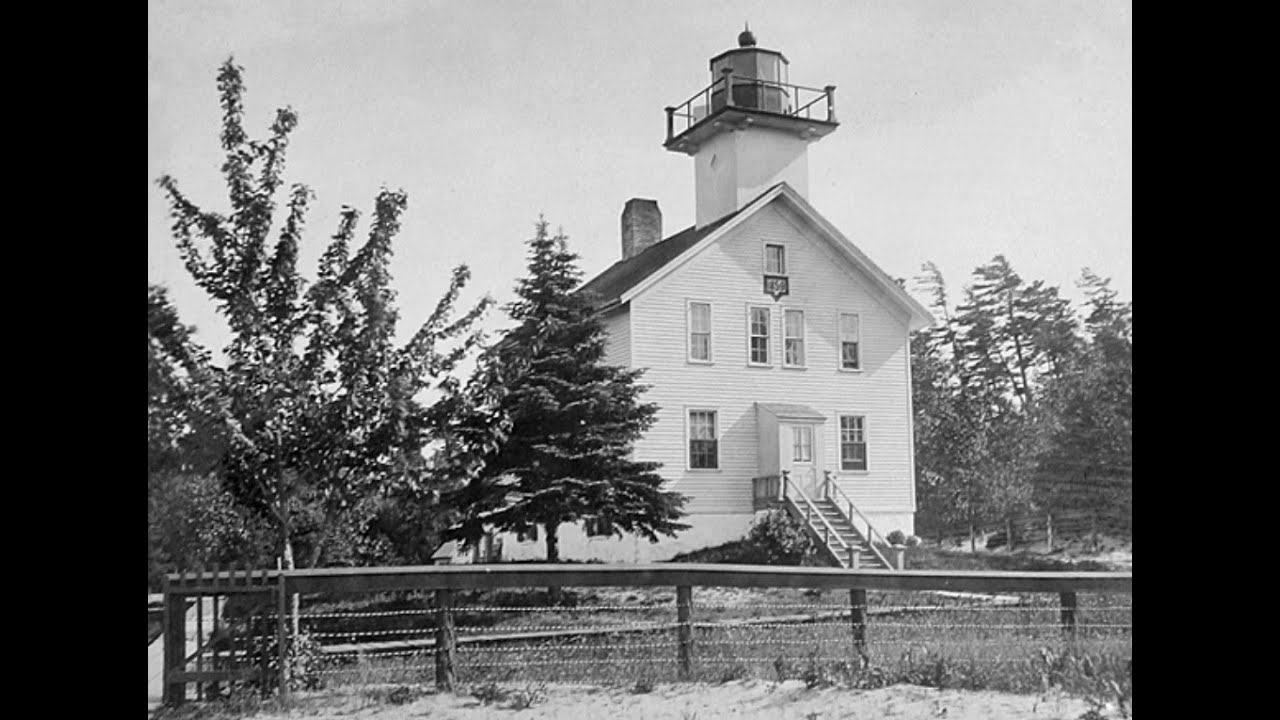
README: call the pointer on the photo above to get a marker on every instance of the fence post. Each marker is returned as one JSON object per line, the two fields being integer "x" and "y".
{"x": 201, "y": 688}
{"x": 1048, "y": 529}
{"x": 215, "y": 635}
{"x": 858, "y": 616}
{"x": 671, "y": 122}
{"x": 684, "y": 631}
{"x": 1068, "y": 615}
{"x": 1008, "y": 533}
{"x": 831, "y": 103}
{"x": 445, "y": 639}
{"x": 282, "y": 614}
{"x": 175, "y": 642}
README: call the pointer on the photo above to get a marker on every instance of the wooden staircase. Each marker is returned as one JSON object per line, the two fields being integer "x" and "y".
{"x": 830, "y": 520}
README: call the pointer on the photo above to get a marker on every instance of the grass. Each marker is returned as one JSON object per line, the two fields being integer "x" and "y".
{"x": 930, "y": 557}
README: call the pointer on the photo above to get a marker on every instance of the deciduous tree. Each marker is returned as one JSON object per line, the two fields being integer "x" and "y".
{"x": 319, "y": 409}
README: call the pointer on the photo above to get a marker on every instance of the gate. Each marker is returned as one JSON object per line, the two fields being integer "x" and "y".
{"x": 222, "y": 627}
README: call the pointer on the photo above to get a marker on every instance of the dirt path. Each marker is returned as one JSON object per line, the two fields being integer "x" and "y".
{"x": 753, "y": 699}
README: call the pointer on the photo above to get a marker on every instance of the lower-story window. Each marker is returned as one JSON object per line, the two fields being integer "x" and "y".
{"x": 598, "y": 527}
{"x": 853, "y": 442}
{"x": 703, "y": 450}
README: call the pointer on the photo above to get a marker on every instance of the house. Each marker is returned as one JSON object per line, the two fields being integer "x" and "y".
{"x": 777, "y": 351}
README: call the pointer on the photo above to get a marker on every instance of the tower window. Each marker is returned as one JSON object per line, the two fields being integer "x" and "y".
{"x": 775, "y": 260}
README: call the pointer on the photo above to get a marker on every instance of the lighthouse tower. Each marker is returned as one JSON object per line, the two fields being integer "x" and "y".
{"x": 749, "y": 129}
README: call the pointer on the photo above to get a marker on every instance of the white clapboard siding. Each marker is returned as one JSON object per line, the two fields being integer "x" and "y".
{"x": 617, "y": 346}
{"x": 729, "y": 275}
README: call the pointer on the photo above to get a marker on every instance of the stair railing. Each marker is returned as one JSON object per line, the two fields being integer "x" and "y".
{"x": 828, "y": 531}
{"x": 828, "y": 486}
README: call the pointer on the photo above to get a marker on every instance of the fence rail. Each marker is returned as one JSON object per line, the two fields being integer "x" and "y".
{"x": 677, "y": 619}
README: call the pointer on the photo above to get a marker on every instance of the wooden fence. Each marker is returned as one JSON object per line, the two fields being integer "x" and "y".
{"x": 260, "y": 589}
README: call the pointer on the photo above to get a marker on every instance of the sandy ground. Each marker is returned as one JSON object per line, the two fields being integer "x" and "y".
{"x": 753, "y": 699}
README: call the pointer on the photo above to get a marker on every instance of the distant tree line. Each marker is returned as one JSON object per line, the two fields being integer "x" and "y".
{"x": 1022, "y": 403}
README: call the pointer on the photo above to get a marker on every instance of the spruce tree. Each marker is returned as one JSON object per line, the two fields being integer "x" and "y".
{"x": 571, "y": 419}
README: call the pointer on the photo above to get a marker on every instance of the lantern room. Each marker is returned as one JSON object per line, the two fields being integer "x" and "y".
{"x": 749, "y": 129}
{"x": 761, "y": 76}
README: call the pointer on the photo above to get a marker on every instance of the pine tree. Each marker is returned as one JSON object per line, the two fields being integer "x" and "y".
{"x": 572, "y": 419}
{"x": 1090, "y": 457}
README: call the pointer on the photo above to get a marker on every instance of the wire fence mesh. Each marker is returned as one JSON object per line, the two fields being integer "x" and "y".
{"x": 654, "y": 632}
{"x": 609, "y": 643}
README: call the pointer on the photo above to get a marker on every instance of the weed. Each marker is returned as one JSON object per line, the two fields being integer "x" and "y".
{"x": 643, "y": 686}
{"x": 783, "y": 668}
{"x": 736, "y": 671}
{"x": 528, "y": 697}
{"x": 402, "y": 694}
{"x": 490, "y": 693}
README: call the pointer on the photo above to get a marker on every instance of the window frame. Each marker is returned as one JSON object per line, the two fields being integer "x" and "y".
{"x": 768, "y": 336}
{"x": 688, "y": 332}
{"x": 840, "y": 340}
{"x": 798, "y": 433}
{"x": 597, "y": 527}
{"x": 804, "y": 350}
{"x": 782, "y": 256}
{"x": 866, "y": 445}
{"x": 688, "y": 438}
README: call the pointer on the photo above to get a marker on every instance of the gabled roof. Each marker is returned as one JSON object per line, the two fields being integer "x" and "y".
{"x": 627, "y": 278}
{"x": 610, "y": 285}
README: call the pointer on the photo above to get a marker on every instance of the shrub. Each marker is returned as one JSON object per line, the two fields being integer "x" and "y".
{"x": 897, "y": 537}
{"x": 913, "y": 541}
{"x": 780, "y": 539}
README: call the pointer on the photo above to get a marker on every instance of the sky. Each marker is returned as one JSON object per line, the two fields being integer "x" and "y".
{"x": 967, "y": 129}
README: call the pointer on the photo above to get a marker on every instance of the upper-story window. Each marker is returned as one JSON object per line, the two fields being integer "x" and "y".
{"x": 775, "y": 260}
{"x": 758, "y": 325}
{"x": 699, "y": 332}
{"x": 793, "y": 338}
{"x": 850, "y": 342}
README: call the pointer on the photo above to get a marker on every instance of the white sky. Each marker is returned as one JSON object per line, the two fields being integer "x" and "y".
{"x": 967, "y": 128}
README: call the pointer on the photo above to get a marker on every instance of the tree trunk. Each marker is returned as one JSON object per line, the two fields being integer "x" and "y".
{"x": 294, "y": 599}
{"x": 553, "y": 556}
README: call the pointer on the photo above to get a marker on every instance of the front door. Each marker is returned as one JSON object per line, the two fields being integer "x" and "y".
{"x": 801, "y": 454}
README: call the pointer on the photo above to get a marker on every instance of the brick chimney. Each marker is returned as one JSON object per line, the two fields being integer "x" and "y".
{"x": 641, "y": 226}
